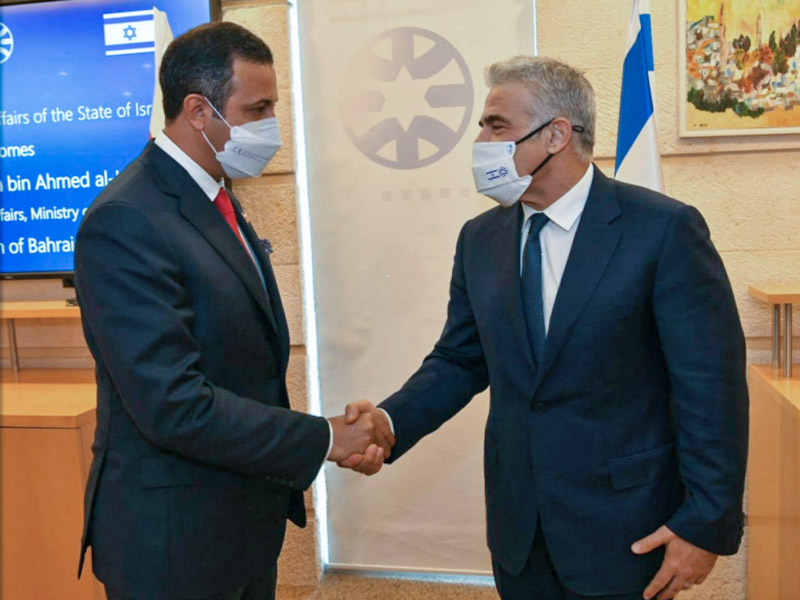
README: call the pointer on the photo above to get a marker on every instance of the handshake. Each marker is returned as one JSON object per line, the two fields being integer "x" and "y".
{"x": 362, "y": 438}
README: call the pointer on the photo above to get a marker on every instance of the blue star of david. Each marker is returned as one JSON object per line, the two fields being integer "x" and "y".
{"x": 129, "y": 32}
{"x": 503, "y": 171}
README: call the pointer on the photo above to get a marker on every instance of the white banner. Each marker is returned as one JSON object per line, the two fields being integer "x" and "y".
{"x": 392, "y": 93}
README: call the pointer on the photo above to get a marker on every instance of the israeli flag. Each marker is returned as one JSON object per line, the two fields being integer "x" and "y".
{"x": 129, "y": 32}
{"x": 638, "y": 160}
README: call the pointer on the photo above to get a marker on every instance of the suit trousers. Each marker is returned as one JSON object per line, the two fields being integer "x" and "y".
{"x": 258, "y": 590}
{"x": 539, "y": 580}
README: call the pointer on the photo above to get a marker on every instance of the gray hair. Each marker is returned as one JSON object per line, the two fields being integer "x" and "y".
{"x": 558, "y": 90}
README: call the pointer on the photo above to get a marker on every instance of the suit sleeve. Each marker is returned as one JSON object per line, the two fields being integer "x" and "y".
{"x": 704, "y": 348}
{"x": 450, "y": 376}
{"x": 138, "y": 316}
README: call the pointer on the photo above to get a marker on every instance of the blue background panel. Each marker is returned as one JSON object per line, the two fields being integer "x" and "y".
{"x": 59, "y": 60}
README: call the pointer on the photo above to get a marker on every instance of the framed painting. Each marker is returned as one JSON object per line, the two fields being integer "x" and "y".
{"x": 739, "y": 67}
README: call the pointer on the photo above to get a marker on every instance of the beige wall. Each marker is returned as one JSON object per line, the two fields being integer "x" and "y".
{"x": 746, "y": 187}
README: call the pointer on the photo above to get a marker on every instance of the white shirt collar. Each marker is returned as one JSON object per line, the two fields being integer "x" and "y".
{"x": 201, "y": 177}
{"x": 565, "y": 211}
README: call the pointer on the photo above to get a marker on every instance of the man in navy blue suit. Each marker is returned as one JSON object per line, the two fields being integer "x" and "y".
{"x": 602, "y": 318}
{"x": 198, "y": 458}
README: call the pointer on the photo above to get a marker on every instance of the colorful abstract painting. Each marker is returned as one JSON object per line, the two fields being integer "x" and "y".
{"x": 740, "y": 67}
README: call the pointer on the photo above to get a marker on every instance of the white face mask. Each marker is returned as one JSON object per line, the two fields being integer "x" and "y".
{"x": 250, "y": 148}
{"x": 495, "y": 172}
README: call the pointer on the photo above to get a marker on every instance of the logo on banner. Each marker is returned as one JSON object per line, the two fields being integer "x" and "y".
{"x": 129, "y": 32}
{"x": 408, "y": 98}
{"x": 6, "y": 43}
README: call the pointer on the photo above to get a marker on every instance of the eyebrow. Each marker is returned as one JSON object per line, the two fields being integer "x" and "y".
{"x": 492, "y": 119}
{"x": 263, "y": 101}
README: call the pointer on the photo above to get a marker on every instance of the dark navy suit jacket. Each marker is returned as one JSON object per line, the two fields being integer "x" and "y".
{"x": 637, "y": 416}
{"x": 198, "y": 459}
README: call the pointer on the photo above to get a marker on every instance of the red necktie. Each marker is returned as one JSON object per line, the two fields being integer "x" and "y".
{"x": 223, "y": 204}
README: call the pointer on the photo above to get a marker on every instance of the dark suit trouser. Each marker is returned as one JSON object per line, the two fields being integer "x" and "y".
{"x": 539, "y": 581}
{"x": 258, "y": 590}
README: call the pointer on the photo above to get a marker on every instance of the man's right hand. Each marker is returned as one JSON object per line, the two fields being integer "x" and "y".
{"x": 352, "y": 437}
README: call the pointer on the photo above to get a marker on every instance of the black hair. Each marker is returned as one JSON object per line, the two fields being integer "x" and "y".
{"x": 201, "y": 62}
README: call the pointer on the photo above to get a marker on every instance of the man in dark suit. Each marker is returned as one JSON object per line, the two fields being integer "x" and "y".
{"x": 602, "y": 318}
{"x": 198, "y": 459}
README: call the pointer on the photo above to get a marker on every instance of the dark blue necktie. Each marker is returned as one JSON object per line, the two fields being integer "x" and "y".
{"x": 532, "y": 301}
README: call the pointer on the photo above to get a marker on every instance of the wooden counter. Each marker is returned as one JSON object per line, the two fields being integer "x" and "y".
{"x": 46, "y": 398}
{"x": 773, "y": 488}
{"x": 47, "y": 421}
{"x": 39, "y": 309}
{"x": 776, "y": 294}
{"x": 33, "y": 309}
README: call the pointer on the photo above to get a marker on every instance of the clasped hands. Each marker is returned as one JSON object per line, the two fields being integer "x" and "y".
{"x": 362, "y": 438}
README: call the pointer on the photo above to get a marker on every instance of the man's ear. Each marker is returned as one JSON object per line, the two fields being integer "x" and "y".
{"x": 560, "y": 135}
{"x": 196, "y": 111}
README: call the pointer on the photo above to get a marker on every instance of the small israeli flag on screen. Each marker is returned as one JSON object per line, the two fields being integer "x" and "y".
{"x": 638, "y": 159}
{"x": 129, "y": 32}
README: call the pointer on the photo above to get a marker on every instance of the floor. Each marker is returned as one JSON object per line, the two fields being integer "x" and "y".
{"x": 335, "y": 586}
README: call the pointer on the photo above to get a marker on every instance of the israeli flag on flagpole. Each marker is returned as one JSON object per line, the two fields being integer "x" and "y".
{"x": 638, "y": 160}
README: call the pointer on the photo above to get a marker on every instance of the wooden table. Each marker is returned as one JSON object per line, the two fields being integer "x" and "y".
{"x": 47, "y": 421}
{"x": 773, "y": 486}
{"x": 779, "y": 296}
{"x": 41, "y": 309}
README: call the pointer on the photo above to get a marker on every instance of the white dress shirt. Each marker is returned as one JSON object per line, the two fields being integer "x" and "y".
{"x": 211, "y": 188}
{"x": 556, "y": 238}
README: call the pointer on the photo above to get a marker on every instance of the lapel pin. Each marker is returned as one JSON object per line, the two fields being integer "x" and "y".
{"x": 267, "y": 245}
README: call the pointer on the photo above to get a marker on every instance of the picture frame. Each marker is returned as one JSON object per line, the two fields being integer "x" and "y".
{"x": 758, "y": 90}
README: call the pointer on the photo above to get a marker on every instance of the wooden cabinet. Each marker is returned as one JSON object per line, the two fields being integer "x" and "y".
{"x": 773, "y": 489}
{"x": 47, "y": 421}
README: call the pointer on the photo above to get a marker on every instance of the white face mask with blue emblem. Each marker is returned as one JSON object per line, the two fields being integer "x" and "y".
{"x": 495, "y": 172}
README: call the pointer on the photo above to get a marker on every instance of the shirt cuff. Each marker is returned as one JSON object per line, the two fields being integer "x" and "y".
{"x": 330, "y": 443}
{"x": 388, "y": 416}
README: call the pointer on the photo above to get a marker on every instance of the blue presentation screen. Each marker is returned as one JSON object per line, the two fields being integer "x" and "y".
{"x": 76, "y": 91}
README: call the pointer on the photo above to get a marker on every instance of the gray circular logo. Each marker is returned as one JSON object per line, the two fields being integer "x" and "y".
{"x": 6, "y": 43}
{"x": 409, "y": 100}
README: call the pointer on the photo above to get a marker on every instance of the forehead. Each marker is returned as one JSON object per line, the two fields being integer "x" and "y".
{"x": 253, "y": 81}
{"x": 510, "y": 100}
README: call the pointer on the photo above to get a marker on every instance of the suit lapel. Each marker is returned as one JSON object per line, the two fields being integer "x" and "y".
{"x": 200, "y": 212}
{"x": 505, "y": 237}
{"x": 270, "y": 283}
{"x": 595, "y": 242}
